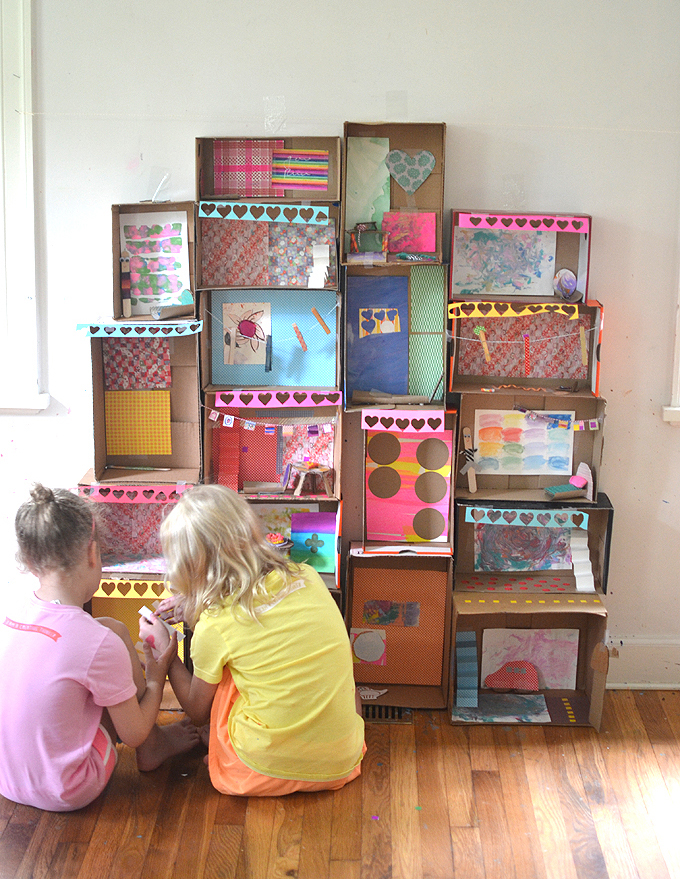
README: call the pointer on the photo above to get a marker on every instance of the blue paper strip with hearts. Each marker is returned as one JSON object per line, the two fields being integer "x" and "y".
{"x": 526, "y": 518}
{"x": 309, "y": 215}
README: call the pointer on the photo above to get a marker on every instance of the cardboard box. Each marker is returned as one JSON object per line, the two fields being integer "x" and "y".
{"x": 500, "y": 479}
{"x": 407, "y": 498}
{"x": 375, "y": 157}
{"x": 394, "y": 340}
{"x": 400, "y": 622}
{"x": 302, "y": 326}
{"x": 548, "y": 550}
{"x": 126, "y": 450}
{"x": 556, "y": 345}
{"x": 506, "y": 253}
{"x": 313, "y": 532}
{"x": 263, "y": 449}
{"x": 252, "y": 158}
{"x": 244, "y": 245}
{"x": 475, "y": 613}
{"x": 156, "y": 266}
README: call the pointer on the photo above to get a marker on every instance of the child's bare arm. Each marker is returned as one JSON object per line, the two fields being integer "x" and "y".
{"x": 194, "y": 695}
{"x": 134, "y": 719}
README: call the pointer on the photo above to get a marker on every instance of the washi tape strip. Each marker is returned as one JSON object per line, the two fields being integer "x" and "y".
{"x": 553, "y": 222}
{"x": 526, "y": 518}
{"x": 277, "y": 399}
{"x": 137, "y": 494}
{"x": 509, "y": 309}
{"x": 130, "y": 588}
{"x": 133, "y": 330}
{"x": 318, "y": 215}
{"x": 398, "y": 421}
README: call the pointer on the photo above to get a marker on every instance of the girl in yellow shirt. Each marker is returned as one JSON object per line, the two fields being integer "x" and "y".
{"x": 270, "y": 651}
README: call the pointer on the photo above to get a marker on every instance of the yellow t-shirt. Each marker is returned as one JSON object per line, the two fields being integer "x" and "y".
{"x": 295, "y": 716}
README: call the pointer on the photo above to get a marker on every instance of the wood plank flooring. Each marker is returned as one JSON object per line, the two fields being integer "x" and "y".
{"x": 434, "y": 800}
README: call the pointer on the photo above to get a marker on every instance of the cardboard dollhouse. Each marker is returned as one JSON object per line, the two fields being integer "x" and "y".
{"x": 297, "y": 323}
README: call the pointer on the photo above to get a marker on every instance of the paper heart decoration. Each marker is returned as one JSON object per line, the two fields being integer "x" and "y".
{"x": 410, "y": 172}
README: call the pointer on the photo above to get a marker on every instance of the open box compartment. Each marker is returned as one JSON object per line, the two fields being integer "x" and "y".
{"x": 413, "y": 671}
{"x": 302, "y": 358}
{"x": 589, "y": 414}
{"x": 183, "y": 464}
{"x": 407, "y": 496}
{"x": 395, "y": 344}
{"x": 175, "y": 251}
{"x": 556, "y": 345}
{"x": 254, "y": 245}
{"x": 582, "y": 706}
{"x": 411, "y": 138}
{"x": 206, "y": 182}
{"x": 246, "y": 447}
{"x": 477, "y": 559}
{"x": 501, "y": 253}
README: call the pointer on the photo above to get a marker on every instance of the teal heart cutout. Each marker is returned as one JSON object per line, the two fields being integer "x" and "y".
{"x": 410, "y": 172}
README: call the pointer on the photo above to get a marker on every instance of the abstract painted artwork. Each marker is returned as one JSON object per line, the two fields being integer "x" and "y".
{"x": 502, "y": 262}
{"x": 509, "y": 548}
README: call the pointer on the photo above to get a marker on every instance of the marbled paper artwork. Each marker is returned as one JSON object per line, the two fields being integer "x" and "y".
{"x": 502, "y": 262}
{"x": 509, "y": 548}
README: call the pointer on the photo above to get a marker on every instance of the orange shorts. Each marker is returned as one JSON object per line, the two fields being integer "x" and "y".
{"x": 229, "y": 775}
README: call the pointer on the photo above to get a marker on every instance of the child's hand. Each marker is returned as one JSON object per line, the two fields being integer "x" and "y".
{"x": 171, "y": 609}
{"x": 158, "y": 663}
{"x": 154, "y": 633}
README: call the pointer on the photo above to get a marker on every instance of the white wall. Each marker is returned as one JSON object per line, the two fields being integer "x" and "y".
{"x": 574, "y": 105}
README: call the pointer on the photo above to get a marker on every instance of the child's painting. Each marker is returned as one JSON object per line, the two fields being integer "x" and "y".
{"x": 553, "y": 652}
{"x": 247, "y": 325}
{"x": 314, "y": 540}
{"x": 410, "y": 231}
{"x": 505, "y": 708}
{"x": 157, "y": 244}
{"x": 510, "y": 442}
{"x": 508, "y": 548}
{"x": 502, "y": 262}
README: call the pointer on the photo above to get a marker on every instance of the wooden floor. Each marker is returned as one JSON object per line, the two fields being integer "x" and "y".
{"x": 434, "y": 800}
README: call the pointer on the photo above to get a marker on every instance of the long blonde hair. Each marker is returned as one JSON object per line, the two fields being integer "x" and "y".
{"x": 215, "y": 550}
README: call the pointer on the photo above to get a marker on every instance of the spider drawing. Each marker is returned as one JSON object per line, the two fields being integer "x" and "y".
{"x": 247, "y": 330}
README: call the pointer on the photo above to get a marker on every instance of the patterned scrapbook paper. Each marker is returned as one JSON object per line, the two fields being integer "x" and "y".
{"x": 257, "y": 455}
{"x": 129, "y": 532}
{"x": 234, "y": 253}
{"x": 320, "y": 447}
{"x": 225, "y": 454}
{"x": 290, "y": 253}
{"x": 138, "y": 423}
{"x": 554, "y": 346}
{"x": 243, "y": 168}
{"x": 136, "y": 364}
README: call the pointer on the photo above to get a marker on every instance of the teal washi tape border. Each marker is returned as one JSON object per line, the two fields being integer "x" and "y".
{"x": 317, "y": 215}
{"x": 527, "y": 518}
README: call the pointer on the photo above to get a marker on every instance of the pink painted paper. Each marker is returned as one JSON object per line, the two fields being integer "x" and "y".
{"x": 410, "y": 231}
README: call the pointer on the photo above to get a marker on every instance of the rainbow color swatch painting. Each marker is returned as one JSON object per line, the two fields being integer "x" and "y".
{"x": 510, "y": 442}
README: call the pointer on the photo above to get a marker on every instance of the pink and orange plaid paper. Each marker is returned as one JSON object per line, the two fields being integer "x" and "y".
{"x": 243, "y": 168}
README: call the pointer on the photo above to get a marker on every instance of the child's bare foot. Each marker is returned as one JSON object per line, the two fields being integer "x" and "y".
{"x": 165, "y": 742}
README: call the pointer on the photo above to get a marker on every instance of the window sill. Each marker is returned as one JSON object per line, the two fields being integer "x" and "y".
{"x": 671, "y": 414}
{"x": 23, "y": 404}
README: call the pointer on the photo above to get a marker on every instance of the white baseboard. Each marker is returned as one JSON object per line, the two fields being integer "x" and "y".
{"x": 646, "y": 665}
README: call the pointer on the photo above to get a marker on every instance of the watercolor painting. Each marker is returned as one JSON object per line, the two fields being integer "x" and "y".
{"x": 410, "y": 231}
{"x": 379, "y": 612}
{"x": 510, "y": 442}
{"x": 508, "y": 548}
{"x": 553, "y": 652}
{"x": 502, "y": 262}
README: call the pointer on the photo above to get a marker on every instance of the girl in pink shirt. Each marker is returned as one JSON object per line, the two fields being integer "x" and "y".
{"x": 72, "y": 684}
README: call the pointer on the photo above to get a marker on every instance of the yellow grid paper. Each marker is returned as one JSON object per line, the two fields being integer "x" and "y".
{"x": 138, "y": 423}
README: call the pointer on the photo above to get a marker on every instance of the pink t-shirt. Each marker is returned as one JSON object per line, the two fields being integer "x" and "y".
{"x": 60, "y": 668}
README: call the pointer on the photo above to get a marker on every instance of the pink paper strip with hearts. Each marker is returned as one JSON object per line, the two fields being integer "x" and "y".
{"x": 133, "y": 494}
{"x": 555, "y": 222}
{"x": 402, "y": 421}
{"x": 276, "y": 399}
